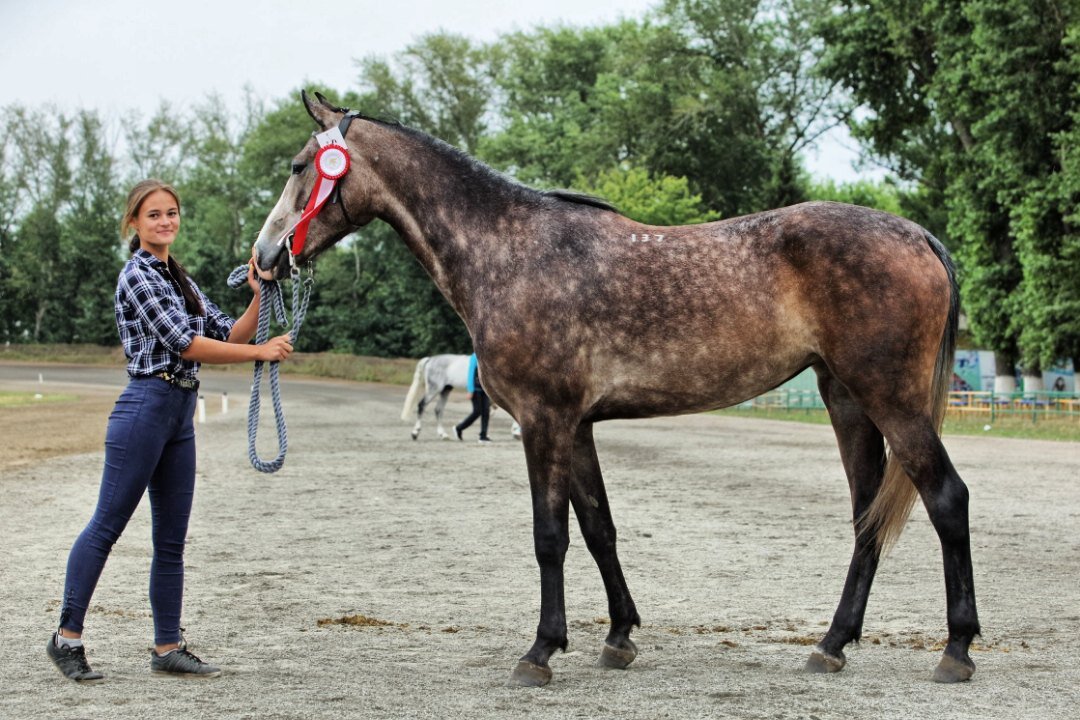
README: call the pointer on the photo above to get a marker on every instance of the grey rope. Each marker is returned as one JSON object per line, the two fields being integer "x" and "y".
{"x": 270, "y": 294}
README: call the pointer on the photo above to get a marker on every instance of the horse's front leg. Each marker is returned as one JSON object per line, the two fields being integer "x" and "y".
{"x": 548, "y": 454}
{"x": 594, "y": 516}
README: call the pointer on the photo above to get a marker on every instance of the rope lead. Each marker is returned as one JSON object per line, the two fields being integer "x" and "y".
{"x": 270, "y": 294}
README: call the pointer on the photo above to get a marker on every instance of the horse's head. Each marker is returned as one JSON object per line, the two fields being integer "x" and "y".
{"x": 345, "y": 210}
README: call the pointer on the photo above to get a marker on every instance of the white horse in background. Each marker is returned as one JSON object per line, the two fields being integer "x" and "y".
{"x": 434, "y": 378}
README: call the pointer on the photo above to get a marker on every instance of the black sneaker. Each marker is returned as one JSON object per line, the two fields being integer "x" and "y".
{"x": 71, "y": 661}
{"x": 183, "y": 663}
{"x": 457, "y": 431}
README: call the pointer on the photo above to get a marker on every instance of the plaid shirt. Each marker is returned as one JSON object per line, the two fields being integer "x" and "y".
{"x": 153, "y": 323}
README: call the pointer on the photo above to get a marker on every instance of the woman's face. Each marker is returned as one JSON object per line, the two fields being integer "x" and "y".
{"x": 157, "y": 223}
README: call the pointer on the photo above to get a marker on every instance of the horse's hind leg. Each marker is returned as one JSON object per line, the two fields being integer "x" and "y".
{"x": 424, "y": 401}
{"x": 594, "y": 516}
{"x": 440, "y": 405}
{"x": 923, "y": 457}
{"x": 862, "y": 451}
{"x": 419, "y": 414}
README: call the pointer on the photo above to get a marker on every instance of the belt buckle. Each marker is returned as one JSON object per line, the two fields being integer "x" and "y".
{"x": 182, "y": 383}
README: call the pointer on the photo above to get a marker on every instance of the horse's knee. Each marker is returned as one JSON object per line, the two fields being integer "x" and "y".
{"x": 550, "y": 545}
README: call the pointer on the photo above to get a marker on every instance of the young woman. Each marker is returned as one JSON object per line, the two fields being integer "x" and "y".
{"x": 168, "y": 327}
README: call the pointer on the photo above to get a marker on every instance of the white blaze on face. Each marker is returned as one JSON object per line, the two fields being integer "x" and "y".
{"x": 280, "y": 209}
{"x": 269, "y": 240}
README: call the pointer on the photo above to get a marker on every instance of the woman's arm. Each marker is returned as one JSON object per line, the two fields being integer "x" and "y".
{"x": 215, "y": 352}
{"x": 245, "y": 326}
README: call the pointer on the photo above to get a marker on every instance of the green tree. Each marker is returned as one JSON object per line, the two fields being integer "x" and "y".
{"x": 879, "y": 195}
{"x": 160, "y": 147}
{"x": 38, "y": 270}
{"x": 754, "y": 61}
{"x": 1060, "y": 289}
{"x": 89, "y": 239}
{"x": 9, "y": 198}
{"x": 721, "y": 93}
{"x": 650, "y": 200}
{"x": 440, "y": 84}
{"x": 972, "y": 98}
{"x": 215, "y": 194}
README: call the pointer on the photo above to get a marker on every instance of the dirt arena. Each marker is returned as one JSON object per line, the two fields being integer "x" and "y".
{"x": 377, "y": 577}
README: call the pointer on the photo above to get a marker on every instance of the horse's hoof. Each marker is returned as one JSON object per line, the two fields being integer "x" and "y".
{"x": 415, "y": 435}
{"x": 822, "y": 662}
{"x": 952, "y": 670}
{"x": 618, "y": 657}
{"x": 528, "y": 674}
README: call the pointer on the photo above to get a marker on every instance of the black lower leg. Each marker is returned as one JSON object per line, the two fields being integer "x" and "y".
{"x": 862, "y": 450}
{"x": 591, "y": 506}
{"x": 948, "y": 511}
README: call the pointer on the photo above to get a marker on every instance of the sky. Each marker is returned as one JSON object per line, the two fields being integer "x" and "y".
{"x": 116, "y": 56}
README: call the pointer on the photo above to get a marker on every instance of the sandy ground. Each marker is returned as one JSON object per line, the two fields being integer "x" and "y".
{"x": 734, "y": 537}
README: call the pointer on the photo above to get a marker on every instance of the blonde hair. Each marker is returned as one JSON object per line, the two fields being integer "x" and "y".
{"x": 135, "y": 199}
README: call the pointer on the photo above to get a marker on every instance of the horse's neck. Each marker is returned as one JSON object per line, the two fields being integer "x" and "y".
{"x": 452, "y": 214}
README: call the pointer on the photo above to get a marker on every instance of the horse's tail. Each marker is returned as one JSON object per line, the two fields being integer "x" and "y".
{"x": 889, "y": 512}
{"x": 415, "y": 390}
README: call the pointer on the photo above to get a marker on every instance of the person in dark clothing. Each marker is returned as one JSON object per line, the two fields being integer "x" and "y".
{"x": 481, "y": 404}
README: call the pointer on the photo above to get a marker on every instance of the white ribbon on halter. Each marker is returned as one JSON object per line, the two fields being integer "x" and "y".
{"x": 331, "y": 165}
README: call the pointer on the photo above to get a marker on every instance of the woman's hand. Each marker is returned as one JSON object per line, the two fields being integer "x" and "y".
{"x": 275, "y": 349}
{"x": 252, "y": 276}
{"x": 253, "y": 279}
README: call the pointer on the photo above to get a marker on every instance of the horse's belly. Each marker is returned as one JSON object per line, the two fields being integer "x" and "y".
{"x": 680, "y": 387}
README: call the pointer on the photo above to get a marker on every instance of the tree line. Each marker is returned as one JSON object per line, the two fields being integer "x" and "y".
{"x": 699, "y": 110}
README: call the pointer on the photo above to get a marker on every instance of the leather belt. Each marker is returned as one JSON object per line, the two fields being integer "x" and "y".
{"x": 182, "y": 383}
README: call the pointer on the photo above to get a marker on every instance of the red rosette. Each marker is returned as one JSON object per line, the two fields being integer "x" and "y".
{"x": 332, "y": 162}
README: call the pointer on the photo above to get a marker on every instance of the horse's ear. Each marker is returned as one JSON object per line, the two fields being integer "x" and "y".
{"x": 319, "y": 112}
{"x": 329, "y": 105}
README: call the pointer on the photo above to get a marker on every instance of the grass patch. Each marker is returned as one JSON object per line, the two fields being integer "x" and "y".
{"x": 20, "y": 399}
{"x": 1060, "y": 427}
{"x": 68, "y": 354}
{"x": 393, "y": 371}
{"x": 812, "y": 416}
{"x": 358, "y": 368}
{"x": 1019, "y": 425}
{"x": 399, "y": 371}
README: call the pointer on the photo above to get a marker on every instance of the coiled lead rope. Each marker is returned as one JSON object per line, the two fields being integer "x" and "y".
{"x": 270, "y": 294}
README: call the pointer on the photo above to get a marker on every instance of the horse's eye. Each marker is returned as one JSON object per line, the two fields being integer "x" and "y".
{"x": 298, "y": 168}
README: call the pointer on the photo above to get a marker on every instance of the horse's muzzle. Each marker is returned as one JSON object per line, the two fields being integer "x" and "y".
{"x": 273, "y": 263}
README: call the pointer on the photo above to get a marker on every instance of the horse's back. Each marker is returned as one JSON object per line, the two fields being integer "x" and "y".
{"x": 447, "y": 370}
{"x": 682, "y": 319}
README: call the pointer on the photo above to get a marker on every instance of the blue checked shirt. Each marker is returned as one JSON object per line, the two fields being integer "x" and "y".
{"x": 153, "y": 323}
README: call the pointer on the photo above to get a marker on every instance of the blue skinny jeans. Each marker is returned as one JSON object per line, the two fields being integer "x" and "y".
{"x": 149, "y": 445}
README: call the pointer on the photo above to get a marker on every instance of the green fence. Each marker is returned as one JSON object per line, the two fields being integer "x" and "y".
{"x": 800, "y": 393}
{"x": 1030, "y": 405}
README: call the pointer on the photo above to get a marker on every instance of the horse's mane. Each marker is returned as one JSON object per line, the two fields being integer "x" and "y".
{"x": 488, "y": 175}
{"x": 582, "y": 199}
